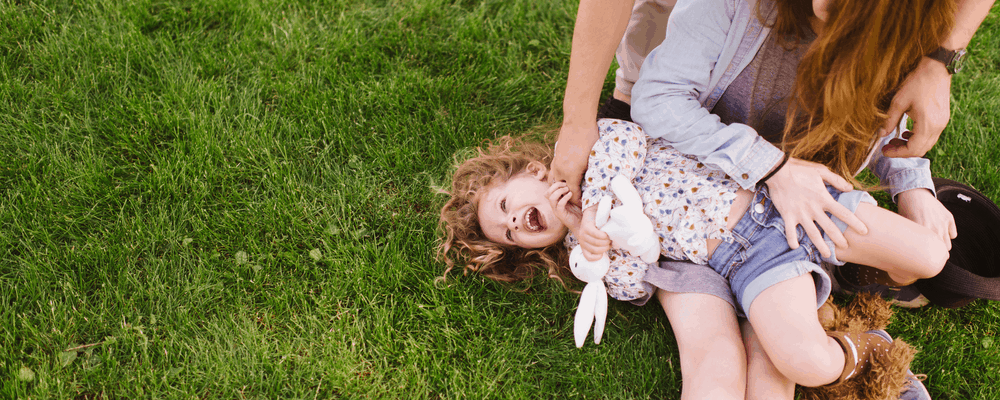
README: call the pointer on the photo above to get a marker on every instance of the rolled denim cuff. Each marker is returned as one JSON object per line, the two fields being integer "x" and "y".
{"x": 909, "y": 179}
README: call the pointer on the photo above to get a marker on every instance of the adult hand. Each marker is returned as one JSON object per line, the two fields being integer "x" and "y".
{"x": 925, "y": 97}
{"x": 572, "y": 152}
{"x": 920, "y": 206}
{"x": 800, "y": 196}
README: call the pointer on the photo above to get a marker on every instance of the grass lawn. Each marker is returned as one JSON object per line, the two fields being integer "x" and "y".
{"x": 233, "y": 199}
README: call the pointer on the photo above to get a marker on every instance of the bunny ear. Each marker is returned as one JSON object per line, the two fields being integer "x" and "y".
{"x": 600, "y": 313}
{"x": 585, "y": 312}
{"x": 626, "y": 193}
{"x": 603, "y": 212}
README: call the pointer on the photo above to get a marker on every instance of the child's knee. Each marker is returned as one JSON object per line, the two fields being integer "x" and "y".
{"x": 810, "y": 364}
{"x": 932, "y": 257}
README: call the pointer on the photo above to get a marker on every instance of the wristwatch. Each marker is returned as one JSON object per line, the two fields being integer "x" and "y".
{"x": 952, "y": 59}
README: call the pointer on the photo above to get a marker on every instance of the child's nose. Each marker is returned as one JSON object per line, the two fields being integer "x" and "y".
{"x": 513, "y": 222}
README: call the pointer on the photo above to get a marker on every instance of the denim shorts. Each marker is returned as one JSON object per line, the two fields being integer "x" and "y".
{"x": 758, "y": 255}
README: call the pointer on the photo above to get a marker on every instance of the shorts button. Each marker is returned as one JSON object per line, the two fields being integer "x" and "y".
{"x": 745, "y": 176}
{"x": 758, "y": 208}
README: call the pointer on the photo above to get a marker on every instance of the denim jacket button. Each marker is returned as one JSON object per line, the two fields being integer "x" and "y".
{"x": 758, "y": 208}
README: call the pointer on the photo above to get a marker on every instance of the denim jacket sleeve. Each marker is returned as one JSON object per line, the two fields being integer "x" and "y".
{"x": 898, "y": 175}
{"x": 675, "y": 78}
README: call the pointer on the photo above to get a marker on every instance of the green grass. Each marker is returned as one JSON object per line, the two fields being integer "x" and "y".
{"x": 233, "y": 199}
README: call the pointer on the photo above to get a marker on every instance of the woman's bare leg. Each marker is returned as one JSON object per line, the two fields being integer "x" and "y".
{"x": 764, "y": 381}
{"x": 713, "y": 362}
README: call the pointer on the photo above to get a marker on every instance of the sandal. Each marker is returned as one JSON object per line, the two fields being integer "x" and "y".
{"x": 860, "y": 349}
{"x": 863, "y": 275}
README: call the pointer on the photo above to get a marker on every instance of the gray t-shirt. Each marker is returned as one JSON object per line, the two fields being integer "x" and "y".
{"x": 759, "y": 95}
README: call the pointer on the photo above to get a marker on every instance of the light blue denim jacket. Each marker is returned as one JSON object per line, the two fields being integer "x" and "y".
{"x": 708, "y": 43}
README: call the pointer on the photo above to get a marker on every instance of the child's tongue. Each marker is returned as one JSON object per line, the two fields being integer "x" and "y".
{"x": 534, "y": 220}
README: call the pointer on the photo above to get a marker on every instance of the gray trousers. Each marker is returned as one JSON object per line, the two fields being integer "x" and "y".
{"x": 646, "y": 29}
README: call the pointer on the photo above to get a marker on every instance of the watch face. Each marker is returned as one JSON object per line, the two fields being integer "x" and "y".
{"x": 957, "y": 61}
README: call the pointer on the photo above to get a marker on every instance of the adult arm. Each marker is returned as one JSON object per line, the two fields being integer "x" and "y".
{"x": 599, "y": 27}
{"x": 908, "y": 181}
{"x": 667, "y": 103}
{"x": 926, "y": 93}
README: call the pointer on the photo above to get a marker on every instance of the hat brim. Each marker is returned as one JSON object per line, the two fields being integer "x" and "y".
{"x": 972, "y": 270}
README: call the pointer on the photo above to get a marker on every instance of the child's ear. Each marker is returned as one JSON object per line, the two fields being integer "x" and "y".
{"x": 537, "y": 170}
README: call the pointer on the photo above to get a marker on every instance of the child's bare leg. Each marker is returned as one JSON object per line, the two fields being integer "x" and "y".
{"x": 785, "y": 320}
{"x": 713, "y": 362}
{"x": 905, "y": 249}
{"x": 764, "y": 381}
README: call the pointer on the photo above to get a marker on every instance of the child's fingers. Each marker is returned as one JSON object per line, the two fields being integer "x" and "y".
{"x": 596, "y": 247}
{"x": 557, "y": 196}
{"x": 564, "y": 199}
{"x": 591, "y": 256}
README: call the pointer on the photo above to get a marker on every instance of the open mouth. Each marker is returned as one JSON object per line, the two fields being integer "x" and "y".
{"x": 533, "y": 220}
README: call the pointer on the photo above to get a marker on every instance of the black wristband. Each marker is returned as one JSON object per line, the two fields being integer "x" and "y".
{"x": 773, "y": 171}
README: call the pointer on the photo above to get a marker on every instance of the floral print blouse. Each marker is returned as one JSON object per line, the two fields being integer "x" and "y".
{"x": 687, "y": 201}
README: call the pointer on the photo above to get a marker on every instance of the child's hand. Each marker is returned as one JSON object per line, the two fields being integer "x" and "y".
{"x": 593, "y": 241}
{"x": 559, "y": 195}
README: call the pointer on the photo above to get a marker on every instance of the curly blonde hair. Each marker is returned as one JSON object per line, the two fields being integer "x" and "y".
{"x": 464, "y": 244}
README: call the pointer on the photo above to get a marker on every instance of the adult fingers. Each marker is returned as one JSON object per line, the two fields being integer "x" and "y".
{"x": 816, "y": 237}
{"x": 837, "y": 181}
{"x": 832, "y": 232}
{"x": 896, "y": 110}
{"x": 791, "y": 233}
{"x": 926, "y": 132}
{"x": 853, "y": 222}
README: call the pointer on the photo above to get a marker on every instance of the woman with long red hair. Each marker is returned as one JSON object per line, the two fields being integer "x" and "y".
{"x": 756, "y": 90}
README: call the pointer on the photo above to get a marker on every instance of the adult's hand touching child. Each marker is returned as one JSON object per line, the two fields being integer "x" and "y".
{"x": 572, "y": 152}
{"x": 799, "y": 194}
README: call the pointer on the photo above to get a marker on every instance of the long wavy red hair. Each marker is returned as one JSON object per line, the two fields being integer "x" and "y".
{"x": 846, "y": 79}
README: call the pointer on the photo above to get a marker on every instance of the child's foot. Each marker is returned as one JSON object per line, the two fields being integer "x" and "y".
{"x": 906, "y": 296}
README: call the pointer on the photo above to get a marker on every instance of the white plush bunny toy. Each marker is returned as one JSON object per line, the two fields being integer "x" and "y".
{"x": 630, "y": 230}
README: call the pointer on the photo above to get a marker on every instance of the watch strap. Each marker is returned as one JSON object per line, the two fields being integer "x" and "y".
{"x": 952, "y": 59}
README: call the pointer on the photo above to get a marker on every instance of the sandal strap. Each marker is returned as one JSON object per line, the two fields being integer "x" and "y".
{"x": 863, "y": 275}
{"x": 858, "y": 350}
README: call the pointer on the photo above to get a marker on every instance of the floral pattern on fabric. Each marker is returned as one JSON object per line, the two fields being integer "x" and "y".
{"x": 687, "y": 201}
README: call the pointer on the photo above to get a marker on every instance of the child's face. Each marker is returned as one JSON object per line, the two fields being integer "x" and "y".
{"x": 518, "y": 213}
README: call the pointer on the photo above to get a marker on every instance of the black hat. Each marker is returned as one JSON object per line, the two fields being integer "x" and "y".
{"x": 973, "y": 271}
